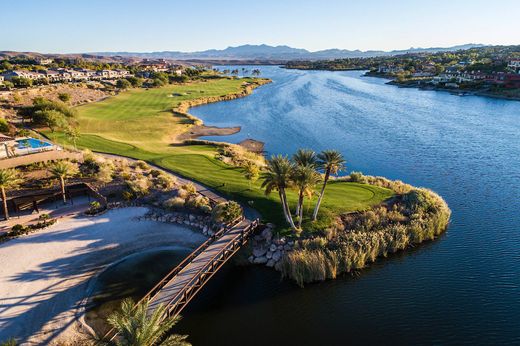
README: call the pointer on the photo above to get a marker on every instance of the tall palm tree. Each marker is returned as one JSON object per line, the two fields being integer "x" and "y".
{"x": 305, "y": 179}
{"x": 331, "y": 161}
{"x": 278, "y": 177}
{"x": 305, "y": 157}
{"x": 8, "y": 179}
{"x": 302, "y": 158}
{"x": 135, "y": 328}
{"x": 62, "y": 170}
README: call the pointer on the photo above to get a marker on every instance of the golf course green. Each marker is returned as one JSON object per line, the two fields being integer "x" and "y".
{"x": 140, "y": 123}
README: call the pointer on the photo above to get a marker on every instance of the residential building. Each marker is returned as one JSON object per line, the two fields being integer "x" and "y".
{"x": 514, "y": 64}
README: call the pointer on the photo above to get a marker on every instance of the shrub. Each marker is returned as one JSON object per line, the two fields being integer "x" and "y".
{"x": 140, "y": 186}
{"x": 18, "y": 229}
{"x": 164, "y": 181}
{"x": 226, "y": 212}
{"x": 4, "y": 126}
{"x": 128, "y": 195}
{"x": 357, "y": 177}
{"x": 64, "y": 97}
{"x": 141, "y": 165}
{"x": 189, "y": 188}
{"x": 174, "y": 203}
{"x": 196, "y": 201}
{"x": 95, "y": 207}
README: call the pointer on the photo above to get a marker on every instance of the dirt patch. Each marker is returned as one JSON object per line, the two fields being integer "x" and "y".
{"x": 200, "y": 130}
{"x": 253, "y": 145}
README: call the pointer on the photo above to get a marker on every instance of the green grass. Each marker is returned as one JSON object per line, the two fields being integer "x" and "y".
{"x": 138, "y": 124}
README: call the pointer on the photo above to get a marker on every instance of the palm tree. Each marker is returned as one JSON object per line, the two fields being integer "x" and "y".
{"x": 331, "y": 161}
{"x": 62, "y": 170}
{"x": 302, "y": 158}
{"x": 135, "y": 328}
{"x": 305, "y": 179}
{"x": 278, "y": 177}
{"x": 73, "y": 135}
{"x": 8, "y": 179}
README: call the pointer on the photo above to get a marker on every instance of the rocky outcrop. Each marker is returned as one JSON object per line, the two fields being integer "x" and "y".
{"x": 269, "y": 249}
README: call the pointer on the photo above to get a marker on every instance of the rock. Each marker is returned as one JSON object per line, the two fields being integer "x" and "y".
{"x": 287, "y": 247}
{"x": 259, "y": 251}
{"x": 269, "y": 255}
{"x": 272, "y": 248}
{"x": 191, "y": 217}
{"x": 251, "y": 259}
{"x": 205, "y": 229}
{"x": 267, "y": 234}
{"x": 271, "y": 263}
{"x": 260, "y": 260}
{"x": 270, "y": 225}
{"x": 186, "y": 222}
{"x": 277, "y": 255}
{"x": 280, "y": 247}
{"x": 290, "y": 243}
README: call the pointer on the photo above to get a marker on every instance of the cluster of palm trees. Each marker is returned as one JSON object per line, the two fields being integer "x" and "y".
{"x": 301, "y": 172}
{"x": 10, "y": 178}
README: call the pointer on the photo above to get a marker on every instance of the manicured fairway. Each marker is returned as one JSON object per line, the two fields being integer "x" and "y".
{"x": 138, "y": 124}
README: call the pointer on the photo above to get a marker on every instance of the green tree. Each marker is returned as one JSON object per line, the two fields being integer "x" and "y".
{"x": 226, "y": 212}
{"x": 62, "y": 170}
{"x": 251, "y": 172}
{"x": 8, "y": 179}
{"x": 332, "y": 162}
{"x": 135, "y": 327}
{"x": 123, "y": 84}
{"x": 278, "y": 177}
{"x": 135, "y": 81}
{"x": 72, "y": 134}
{"x": 65, "y": 97}
{"x": 305, "y": 179}
{"x": 4, "y": 126}
{"x": 21, "y": 82}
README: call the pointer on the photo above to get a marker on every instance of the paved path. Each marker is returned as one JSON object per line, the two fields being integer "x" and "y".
{"x": 172, "y": 291}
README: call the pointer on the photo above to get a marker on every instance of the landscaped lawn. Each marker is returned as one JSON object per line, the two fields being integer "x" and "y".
{"x": 139, "y": 124}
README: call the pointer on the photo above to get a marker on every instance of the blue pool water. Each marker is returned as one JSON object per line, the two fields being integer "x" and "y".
{"x": 32, "y": 143}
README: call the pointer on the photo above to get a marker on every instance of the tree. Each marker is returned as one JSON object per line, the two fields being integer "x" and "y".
{"x": 21, "y": 82}
{"x": 135, "y": 81}
{"x": 135, "y": 328}
{"x": 65, "y": 97}
{"x": 251, "y": 172}
{"x": 302, "y": 158}
{"x": 305, "y": 179}
{"x": 4, "y": 126}
{"x": 62, "y": 170}
{"x": 123, "y": 84}
{"x": 226, "y": 212}
{"x": 331, "y": 161}
{"x": 72, "y": 134}
{"x": 8, "y": 179}
{"x": 278, "y": 177}
{"x": 50, "y": 118}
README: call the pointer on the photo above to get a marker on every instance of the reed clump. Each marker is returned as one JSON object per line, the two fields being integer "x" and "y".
{"x": 414, "y": 216}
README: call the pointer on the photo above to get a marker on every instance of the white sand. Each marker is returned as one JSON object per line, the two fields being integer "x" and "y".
{"x": 44, "y": 276}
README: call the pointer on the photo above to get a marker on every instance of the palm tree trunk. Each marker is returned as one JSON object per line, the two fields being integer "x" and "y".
{"x": 317, "y": 207}
{"x": 299, "y": 209}
{"x": 289, "y": 216}
{"x": 4, "y": 201}
{"x": 300, "y": 220}
{"x": 62, "y": 183}
{"x": 285, "y": 212}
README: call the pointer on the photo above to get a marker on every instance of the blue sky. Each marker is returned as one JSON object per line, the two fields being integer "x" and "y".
{"x": 54, "y": 26}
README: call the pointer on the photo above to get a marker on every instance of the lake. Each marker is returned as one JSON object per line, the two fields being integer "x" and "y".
{"x": 463, "y": 288}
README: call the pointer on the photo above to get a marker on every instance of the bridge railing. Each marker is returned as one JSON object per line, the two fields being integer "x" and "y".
{"x": 177, "y": 303}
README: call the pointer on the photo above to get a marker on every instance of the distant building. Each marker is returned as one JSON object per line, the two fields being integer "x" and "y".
{"x": 44, "y": 61}
{"x": 22, "y": 74}
{"x": 514, "y": 64}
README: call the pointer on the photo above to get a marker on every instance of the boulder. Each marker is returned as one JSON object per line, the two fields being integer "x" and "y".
{"x": 260, "y": 260}
{"x": 273, "y": 247}
{"x": 287, "y": 247}
{"x": 259, "y": 251}
{"x": 277, "y": 255}
{"x": 270, "y": 263}
{"x": 251, "y": 259}
{"x": 269, "y": 255}
{"x": 192, "y": 217}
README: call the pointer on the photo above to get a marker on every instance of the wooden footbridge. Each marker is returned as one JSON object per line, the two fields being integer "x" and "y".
{"x": 181, "y": 284}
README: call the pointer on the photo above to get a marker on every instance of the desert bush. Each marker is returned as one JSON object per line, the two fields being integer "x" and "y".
{"x": 196, "y": 201}
{"x": 140, "y": 185}
{"x": 357, "y": 177}
{"x": 141, "y": 165}
{"x": 189, "y": 188}
{"x": 128, "y": 195}
{"x": 226, "y": 212}
{"x": 164, "y": 181}
{"x": 174, "y": 203}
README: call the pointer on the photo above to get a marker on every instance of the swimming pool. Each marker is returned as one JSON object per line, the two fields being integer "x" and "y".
{"x": 32, "y": 143}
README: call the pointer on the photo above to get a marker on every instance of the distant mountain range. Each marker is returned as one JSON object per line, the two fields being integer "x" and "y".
{"x": 266, "y": 52}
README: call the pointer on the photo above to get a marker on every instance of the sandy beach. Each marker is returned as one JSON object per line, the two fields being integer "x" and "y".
{"x": 44, "y": 276}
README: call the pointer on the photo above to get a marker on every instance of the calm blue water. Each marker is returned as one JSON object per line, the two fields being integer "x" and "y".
{"x": 463, "y": 288}
{"x": 32, "y": 143}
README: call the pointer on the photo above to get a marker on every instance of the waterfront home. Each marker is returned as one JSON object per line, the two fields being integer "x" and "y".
{"x": 514, "y": 64}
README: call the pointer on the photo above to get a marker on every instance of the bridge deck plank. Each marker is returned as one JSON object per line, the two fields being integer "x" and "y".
{"x": 178, "y": 283}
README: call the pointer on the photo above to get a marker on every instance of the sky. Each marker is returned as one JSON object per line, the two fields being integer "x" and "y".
{"x": 65, "y": 26}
